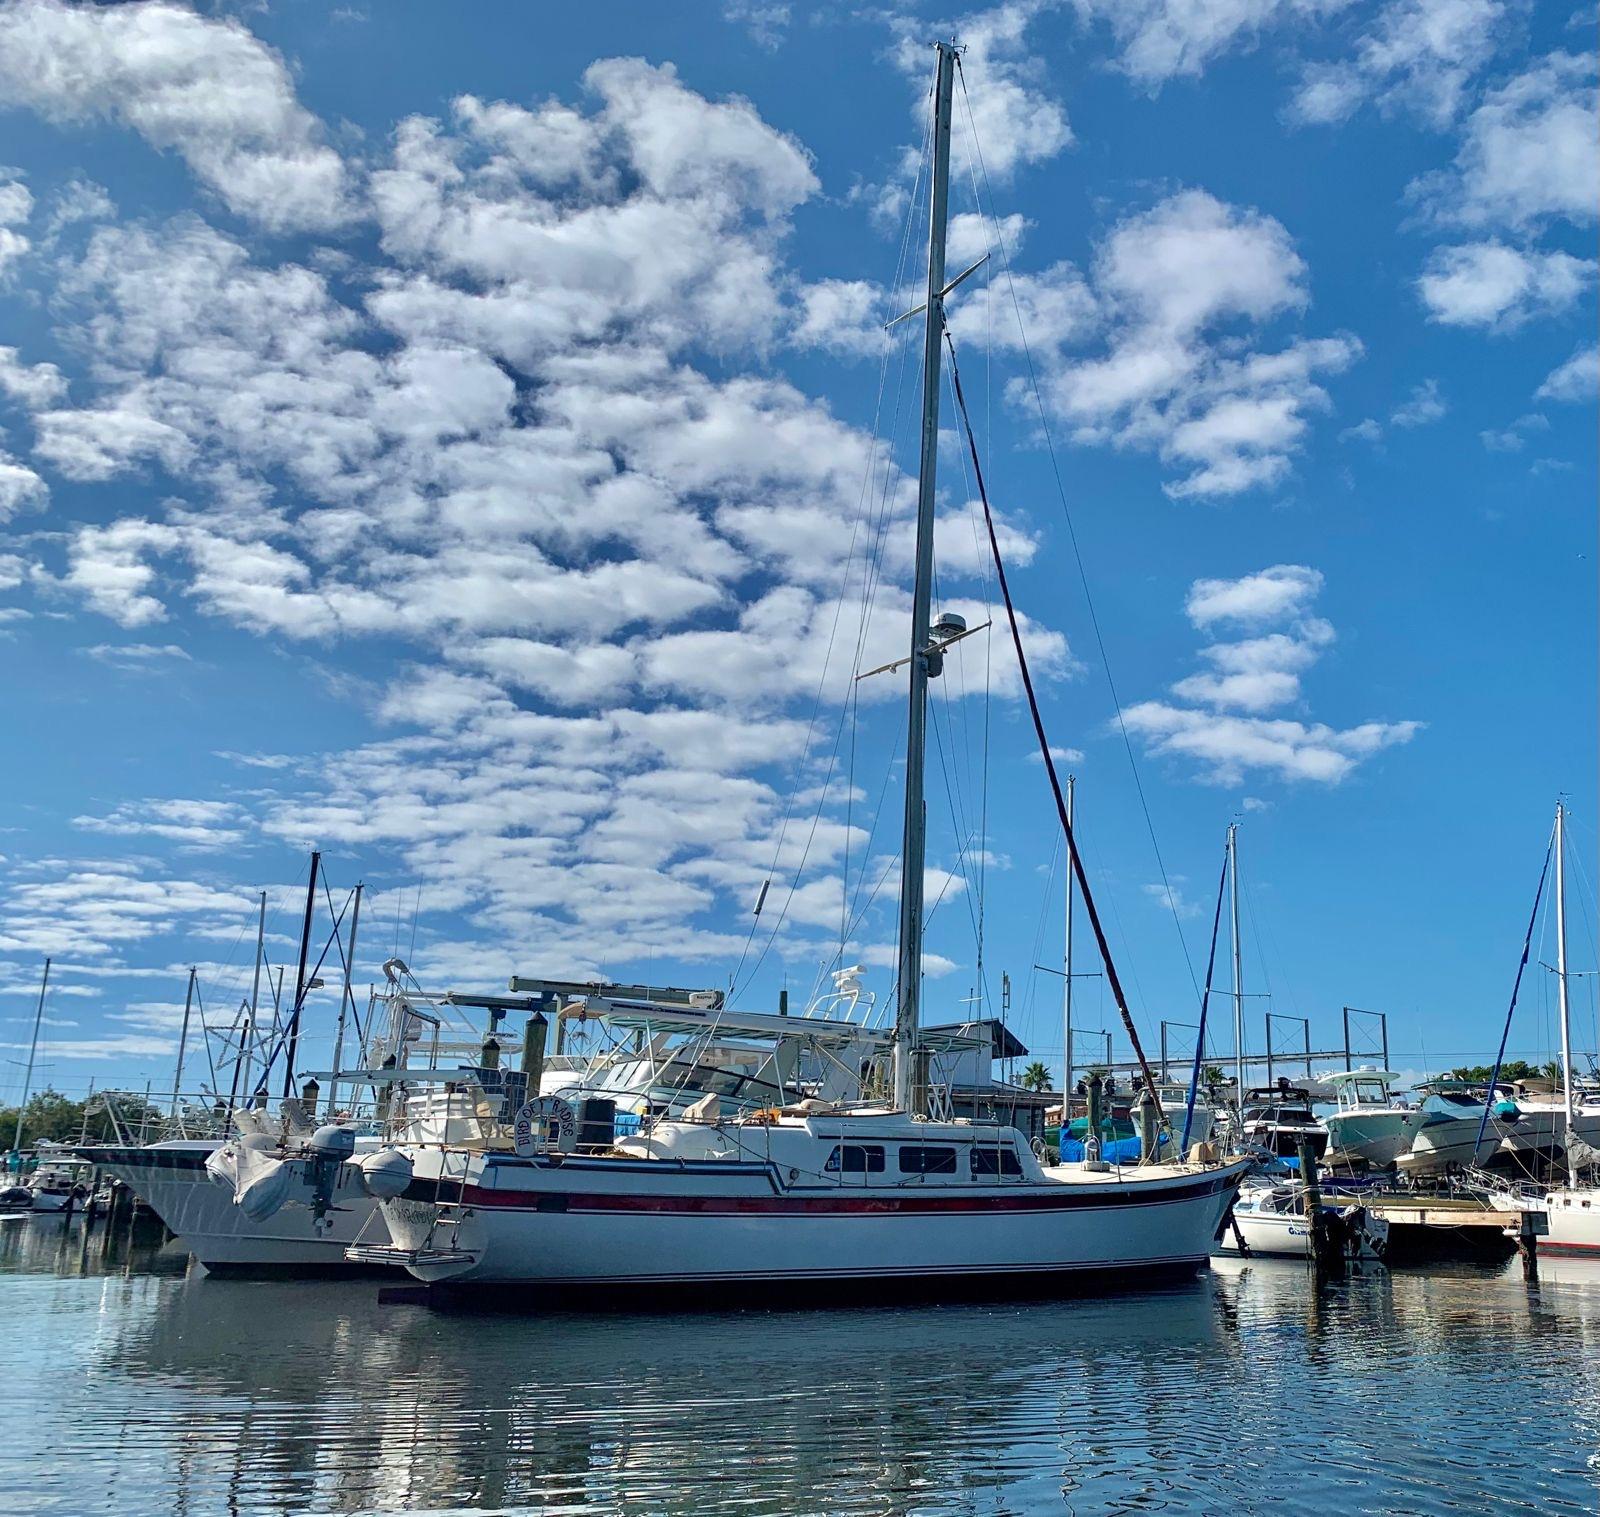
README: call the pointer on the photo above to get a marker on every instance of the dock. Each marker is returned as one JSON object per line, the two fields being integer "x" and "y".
{"x": 1435, "y": 1227}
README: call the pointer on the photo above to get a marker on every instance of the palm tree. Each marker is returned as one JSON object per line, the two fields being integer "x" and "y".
{"x": 1036, "y": 1076}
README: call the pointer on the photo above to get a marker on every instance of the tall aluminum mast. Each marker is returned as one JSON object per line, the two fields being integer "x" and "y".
{"x": 915, "y": 837}
{"x": 1238, "y": 966}
{"x": 1561, "y": 984}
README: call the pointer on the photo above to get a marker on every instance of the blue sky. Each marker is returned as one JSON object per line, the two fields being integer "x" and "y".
{"x": 466, "y": 441}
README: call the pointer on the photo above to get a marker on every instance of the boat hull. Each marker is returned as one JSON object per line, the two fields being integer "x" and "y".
{"x": 177, "y": 1187}
{"x": 589, "y": 1224}
{"x": 1574, "y": 1217}
{"x": 1375, "y": 1138}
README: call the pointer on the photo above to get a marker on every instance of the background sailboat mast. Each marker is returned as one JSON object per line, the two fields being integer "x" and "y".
{"x": 1066, "y": 968}
{"x": 911, "y": 882}
{"x": 1561, "y": 986}
{"x": 1238, "y": 965}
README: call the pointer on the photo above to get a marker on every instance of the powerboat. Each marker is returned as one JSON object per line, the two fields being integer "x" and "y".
{"x": 1452, "y": 1119}
{"x": 1278, "y": 1118}
{"x": 1371, "y": 1127}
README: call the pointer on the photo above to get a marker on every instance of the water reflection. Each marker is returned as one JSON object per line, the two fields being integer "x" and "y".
{"x": 1249, "y": 1391}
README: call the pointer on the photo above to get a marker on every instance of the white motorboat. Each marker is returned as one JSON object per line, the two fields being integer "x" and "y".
{"x": 1279, "y": 1118}
{"x": 1372, "y": 1127}
{"x": 1452, "y": 1133}
{"x": 58, "y": 1184}
{"x": 1270, "y": 1216}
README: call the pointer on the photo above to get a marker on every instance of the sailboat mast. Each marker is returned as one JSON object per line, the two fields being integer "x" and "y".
{"x": 1238, "y": 964}
{"x": 33, "y": 1049}
{"x": 1561, "y": 985}
{"x": 183, "y": 1039}
{"x": 247, "y": 1045}
{"x": 907, "y": 1009}
{"x": 1066, "y": 967}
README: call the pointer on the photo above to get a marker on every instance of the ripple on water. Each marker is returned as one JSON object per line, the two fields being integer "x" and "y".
{"x": 153, "y": 1392}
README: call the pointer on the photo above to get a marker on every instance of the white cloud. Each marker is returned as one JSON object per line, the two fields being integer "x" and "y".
{"x": 1274, "y": 594}
{"x": 204, "y": 88}
{"x": 1422, "y": 408}
{"x": 1161, "y": 40}
{"x": 547, "y": 457}
{"x": 20, "y": 488}
{"x": 1488, "y": 284}
{"x": 767, "y": 21}
{"x": 843, "y": 316}
{"x": 1368, "y": 430}
{"x": 30, "y": 385}
{"x": 1577, "y": 379}
{"x": 1004, "y": 83}
{"x": 1528, "y": 153}
{"x": 1513, "y": 438}
{"x": 1418, "y": 55}
{"x": 1228, "y": 747}
{"x": 16, "y": 206}
{"x": 190, "y": 824}
{"x": 136, "y": 657}
{"x": 1173, "y": 285}
{"x": 1221, "y": 722}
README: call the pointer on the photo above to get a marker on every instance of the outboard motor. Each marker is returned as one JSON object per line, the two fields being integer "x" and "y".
{"x": 326, "y": 1149}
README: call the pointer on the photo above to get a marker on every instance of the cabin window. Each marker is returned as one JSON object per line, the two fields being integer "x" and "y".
{"x": 994, "y": 1161}
{"x": 927, "y": 1161}
{"x": 1370, "y": 1092}
{"x": 855, "y": 1159}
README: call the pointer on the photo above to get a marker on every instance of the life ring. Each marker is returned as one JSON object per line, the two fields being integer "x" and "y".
{"x": 544, "y": 1125}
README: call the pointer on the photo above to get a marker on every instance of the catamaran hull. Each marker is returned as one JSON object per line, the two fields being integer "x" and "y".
{"x": 560, "y": 1227}
{"x": 222, "y": 1237}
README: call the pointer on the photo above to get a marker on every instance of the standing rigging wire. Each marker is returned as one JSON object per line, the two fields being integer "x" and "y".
{"x": 862, "y": 511}
{"x": 1516, "y": 985}
{"x": 1090, "y": 910}
{"x": 1072, "y": 534}
{"x": 1205, "y": 1006}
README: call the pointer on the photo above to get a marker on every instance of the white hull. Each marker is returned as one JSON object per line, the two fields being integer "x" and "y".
{"x": 1574, "y": 1222}
{"x": 219, "y": 1234}
{"x": 1376, "y": 1137}
{"x": 1452, "y": 1144}
{"x": 1278, "y": 1236}
{"x": 603, "y": 1222}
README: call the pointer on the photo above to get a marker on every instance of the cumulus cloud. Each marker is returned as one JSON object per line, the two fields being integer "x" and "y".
{"x": 1528, "y": 154}
{"x": 1227, "y": 720}
{"x": 1424, "y": 406}
{"x": 1175, "y": 284}
{"x": 540, "y": 445}
{"x": 1488, "y": 284}
{"x": 1416, "y": 55}
{"x": 1160, "y": 40}
{"x": 1577, "y": 379}
{"x": 204, "y": 88}
{"x": 16, "y": 206}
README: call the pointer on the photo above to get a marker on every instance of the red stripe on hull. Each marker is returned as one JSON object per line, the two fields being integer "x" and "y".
{"x": 809, "y": 1206}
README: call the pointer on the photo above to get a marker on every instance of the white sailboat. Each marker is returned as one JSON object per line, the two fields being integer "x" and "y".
{"x": 846, "y": 1195}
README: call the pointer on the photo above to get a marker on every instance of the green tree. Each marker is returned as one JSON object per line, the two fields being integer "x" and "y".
{"x": 1036, "y": 1076}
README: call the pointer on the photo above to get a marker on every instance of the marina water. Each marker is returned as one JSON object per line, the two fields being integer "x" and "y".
{"x": 131, "y": 1384}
